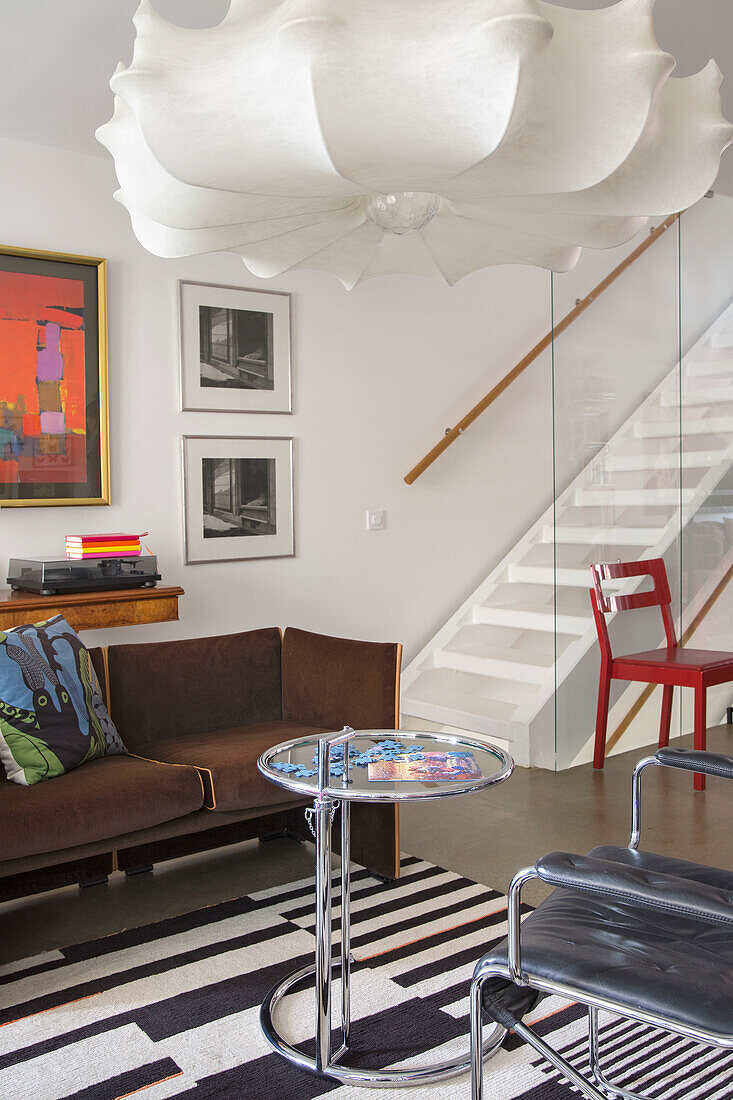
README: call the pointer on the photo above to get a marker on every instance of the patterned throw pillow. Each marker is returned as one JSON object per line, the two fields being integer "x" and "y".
{"x": 52, "y": 715}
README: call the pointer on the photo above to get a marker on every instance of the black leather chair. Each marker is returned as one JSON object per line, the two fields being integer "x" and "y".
{"x": 644, "y": 936}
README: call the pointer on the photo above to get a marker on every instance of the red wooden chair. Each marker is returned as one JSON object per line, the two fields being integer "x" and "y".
{"x": 670, "y": 666}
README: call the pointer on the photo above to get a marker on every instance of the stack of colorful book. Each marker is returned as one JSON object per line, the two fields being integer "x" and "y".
{"x": 82, "y": 547}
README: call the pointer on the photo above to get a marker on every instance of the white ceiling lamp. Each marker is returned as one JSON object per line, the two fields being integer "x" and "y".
{"x": 431, "y": 137}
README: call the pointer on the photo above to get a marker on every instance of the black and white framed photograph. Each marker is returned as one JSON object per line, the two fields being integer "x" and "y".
{"x": 238, "y": 498}
{"x": 235, "y": 349}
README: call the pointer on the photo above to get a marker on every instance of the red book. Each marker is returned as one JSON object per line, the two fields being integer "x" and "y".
{"x": 81, "y": 540}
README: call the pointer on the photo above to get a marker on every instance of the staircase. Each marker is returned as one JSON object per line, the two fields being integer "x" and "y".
{"x": 494, "y": 667}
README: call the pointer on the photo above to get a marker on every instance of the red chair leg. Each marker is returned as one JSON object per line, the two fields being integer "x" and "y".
{"x": 664, "y": 725}
{"x": 700, "y": 730}
{"x": 604, "y": 691}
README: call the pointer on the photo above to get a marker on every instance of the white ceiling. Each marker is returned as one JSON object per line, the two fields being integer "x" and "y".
{"x": 57, "y": 57}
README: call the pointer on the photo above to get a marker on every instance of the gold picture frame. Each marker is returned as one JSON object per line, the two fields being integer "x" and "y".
{"x": 63, "y": 427}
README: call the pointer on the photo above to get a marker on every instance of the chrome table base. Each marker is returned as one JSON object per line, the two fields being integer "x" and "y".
{"x": 326, "y": 1062}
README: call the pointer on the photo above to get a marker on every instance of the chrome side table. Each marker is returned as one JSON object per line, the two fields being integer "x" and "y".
{"x": 335, "y": 785}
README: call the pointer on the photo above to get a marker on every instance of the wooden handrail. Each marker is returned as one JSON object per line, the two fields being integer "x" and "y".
{"x": 646, "y": 693}
{"x": 581, "y": 305}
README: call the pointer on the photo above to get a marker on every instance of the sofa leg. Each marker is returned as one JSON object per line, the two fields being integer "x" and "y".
{"x": 144, "y": 869}
{"x": 384, "y": 879}
{"x": 280, "y": 834}
{"x": 101, "y": 881}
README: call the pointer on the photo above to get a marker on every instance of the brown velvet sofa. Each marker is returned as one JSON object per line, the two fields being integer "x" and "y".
{"x": 195, "y": 715}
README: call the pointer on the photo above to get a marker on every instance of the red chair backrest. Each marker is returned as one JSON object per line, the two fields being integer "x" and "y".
{"x": 660, "y": 595}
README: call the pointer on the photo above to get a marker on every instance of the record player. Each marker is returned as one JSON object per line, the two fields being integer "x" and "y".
{"x": 55, "y": 576}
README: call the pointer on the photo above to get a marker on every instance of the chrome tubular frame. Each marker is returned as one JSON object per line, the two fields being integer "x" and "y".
{"x": 323, "y": 807}
{"x": 345, "y": 923}
{"x": 305, "y": 786}
{"x": 514, "y": 917}
{"x": 594, "y": 1050}
{"x": 636, "y": 800}
{"x": 514, "y": 972}
{"x": 326, "y": 1062}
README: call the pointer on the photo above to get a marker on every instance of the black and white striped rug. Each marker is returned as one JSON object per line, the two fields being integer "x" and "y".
{"x": 171, "y": 1009}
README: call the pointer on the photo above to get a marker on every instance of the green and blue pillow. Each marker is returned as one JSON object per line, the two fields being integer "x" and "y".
{"x": 52, "y": 714}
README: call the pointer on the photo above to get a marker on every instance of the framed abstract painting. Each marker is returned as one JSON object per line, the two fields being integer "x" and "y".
{"x": 237, "y": 498}
{"x": 54, "y": 430}
{"x": 235, "y": 349}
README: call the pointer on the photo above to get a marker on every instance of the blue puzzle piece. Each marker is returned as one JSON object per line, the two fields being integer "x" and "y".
{"x": 389, "y": 749}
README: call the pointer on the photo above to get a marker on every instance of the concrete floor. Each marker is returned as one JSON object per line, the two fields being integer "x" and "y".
{"x": 490, "y": 835}
{"x": 486, "y": 837}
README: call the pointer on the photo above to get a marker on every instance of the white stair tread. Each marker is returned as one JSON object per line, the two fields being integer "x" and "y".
{"x": 568, "y": 555}
{"x": 699, "y": 368}
{"x": 495, "y": 661}
{"x": 472, "y": 684}
{"x": 707, "y": 425}
{"x": 539, "y": 574}
{"x": 521, "y": 656}
{"x": 721, "y": 340}
{"x": 543, "y": 595}
{"x": 532, "y": 646}
{"x": 455, "y": 708}
{"x": 531, "y": 620}
{"x": 504, "y": 638}
{"x": 603, "y": 536}
{"x": 671, "y": 461}
{"x": 720, "y": 395}
{"x": 632, "y": 497}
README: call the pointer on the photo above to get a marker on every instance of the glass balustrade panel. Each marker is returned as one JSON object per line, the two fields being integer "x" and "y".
{"x": 705, "y": 410}
{"x": 618, "y": 479}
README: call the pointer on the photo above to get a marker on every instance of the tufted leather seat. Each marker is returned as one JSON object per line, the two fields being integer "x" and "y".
{"x": 680, "y": 968}
{"x": 646, "y": 936}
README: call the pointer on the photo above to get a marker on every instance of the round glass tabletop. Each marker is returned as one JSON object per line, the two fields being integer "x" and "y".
{"x": 389, "y": 766}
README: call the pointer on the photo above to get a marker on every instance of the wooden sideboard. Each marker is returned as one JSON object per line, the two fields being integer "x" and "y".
{"x": 92, "y": 610}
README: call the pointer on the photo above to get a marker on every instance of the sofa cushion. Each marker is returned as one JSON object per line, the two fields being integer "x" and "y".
{"x": 105, "y": 798}
{"x": 52, "y": 716}
{"x": 196, "y": 832}
{"x": 227, "y": 761}
{"x": 164, "y": 689}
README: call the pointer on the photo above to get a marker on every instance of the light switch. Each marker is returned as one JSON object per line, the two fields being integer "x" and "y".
{"x": 375, "y": 520}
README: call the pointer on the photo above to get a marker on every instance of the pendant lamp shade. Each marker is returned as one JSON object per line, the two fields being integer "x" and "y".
{"x": 429, "y": 137}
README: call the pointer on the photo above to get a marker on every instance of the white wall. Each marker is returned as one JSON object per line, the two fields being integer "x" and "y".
{"x": 378, "y": 375}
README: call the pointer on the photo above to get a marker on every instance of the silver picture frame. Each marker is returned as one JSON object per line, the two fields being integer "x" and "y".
{"x": 234, "y": 349}
{"x": 238, "y": 498}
